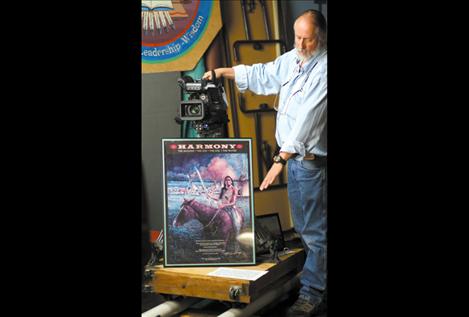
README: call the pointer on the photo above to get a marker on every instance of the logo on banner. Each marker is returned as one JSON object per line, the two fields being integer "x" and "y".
{"x": 172, "y": 28}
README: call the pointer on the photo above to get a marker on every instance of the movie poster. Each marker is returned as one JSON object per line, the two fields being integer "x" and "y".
{"x": 208, "y": 205}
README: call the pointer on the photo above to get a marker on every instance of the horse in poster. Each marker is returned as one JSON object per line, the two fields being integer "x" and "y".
{"x": 217, "y": 223}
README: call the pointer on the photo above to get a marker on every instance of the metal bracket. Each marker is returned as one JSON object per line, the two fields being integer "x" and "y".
{"x": 235, "y": 292}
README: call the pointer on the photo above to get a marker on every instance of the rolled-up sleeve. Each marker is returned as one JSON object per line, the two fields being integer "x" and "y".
{"x": 241, "y": 77}
{"x": 262, "y": 79}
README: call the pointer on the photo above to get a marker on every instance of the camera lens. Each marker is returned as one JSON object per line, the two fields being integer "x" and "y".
{"x": 193, "y": 110}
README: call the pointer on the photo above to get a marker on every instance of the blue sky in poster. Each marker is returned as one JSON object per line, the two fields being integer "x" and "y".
{"x": 211, "y": 166}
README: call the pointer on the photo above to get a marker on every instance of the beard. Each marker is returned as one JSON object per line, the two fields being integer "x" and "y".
{"x": 304, "y": 55}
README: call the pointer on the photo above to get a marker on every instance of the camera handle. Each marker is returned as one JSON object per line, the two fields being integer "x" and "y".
{"x": 214, "y": 78}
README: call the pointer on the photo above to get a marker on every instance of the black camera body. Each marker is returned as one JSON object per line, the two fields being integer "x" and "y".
{"x": 206, "y": 107}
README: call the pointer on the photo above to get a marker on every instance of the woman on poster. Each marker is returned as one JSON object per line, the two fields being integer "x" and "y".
{"x": 227, "y": 201}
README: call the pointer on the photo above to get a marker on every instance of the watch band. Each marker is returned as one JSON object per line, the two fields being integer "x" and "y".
{"x": 279, "y": 159}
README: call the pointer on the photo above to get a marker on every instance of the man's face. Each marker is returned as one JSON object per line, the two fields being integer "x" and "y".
{"x": 305, "y": 37}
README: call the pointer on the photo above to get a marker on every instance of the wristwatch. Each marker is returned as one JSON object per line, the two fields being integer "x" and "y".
{"x": 279, "y": 159}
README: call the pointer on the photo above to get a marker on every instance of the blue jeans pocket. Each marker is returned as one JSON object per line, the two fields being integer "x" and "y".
{"x": 308, "y": 171}
{"x": 309, "y": 165}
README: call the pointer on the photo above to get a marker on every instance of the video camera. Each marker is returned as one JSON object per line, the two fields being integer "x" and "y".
{"x": 206, "y": 107}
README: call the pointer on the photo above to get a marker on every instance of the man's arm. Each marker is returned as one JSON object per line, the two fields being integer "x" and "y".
{"x": 274, "y": 171}
{"x": 260, "y": 78}
{"x": 226, "y": 72}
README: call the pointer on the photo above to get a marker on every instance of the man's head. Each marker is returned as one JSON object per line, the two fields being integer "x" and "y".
{"x": 310, "y": 33}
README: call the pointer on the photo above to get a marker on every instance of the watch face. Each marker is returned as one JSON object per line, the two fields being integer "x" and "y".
{"x": 278, "y": 159}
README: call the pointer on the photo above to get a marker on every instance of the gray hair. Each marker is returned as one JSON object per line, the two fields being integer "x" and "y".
{"x": 319, "y": 22}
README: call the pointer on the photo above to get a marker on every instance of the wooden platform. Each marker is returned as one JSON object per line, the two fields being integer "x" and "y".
{"x": 194, "y": 281}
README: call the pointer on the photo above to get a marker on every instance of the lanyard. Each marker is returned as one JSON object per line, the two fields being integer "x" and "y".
{"x": 284, "y": 111}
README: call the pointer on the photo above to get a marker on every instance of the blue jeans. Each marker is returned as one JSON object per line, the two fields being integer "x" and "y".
{"x": 307, "y": 193}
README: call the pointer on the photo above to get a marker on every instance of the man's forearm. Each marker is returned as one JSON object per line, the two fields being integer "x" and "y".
{"x": 286, "y": 155}
{"x": 226, "y": 72}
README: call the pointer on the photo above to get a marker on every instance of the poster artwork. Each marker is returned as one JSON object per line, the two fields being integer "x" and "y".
{"x": 208, "y": 207}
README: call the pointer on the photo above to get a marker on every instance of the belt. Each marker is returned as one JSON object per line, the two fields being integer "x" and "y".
{"x": 312, "y": 157}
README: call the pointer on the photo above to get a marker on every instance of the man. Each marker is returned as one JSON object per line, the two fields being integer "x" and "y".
{"x": 300, "y": 78}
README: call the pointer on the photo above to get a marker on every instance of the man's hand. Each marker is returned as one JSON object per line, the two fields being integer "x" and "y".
{"x": 208, "y": 75}
{"x": 274, "y": 171}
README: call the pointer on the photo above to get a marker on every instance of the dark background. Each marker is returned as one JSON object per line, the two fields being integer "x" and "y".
{"x": 72, "y": 146}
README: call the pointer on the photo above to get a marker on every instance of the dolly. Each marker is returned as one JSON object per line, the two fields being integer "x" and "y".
{"x": 185, "y": 287}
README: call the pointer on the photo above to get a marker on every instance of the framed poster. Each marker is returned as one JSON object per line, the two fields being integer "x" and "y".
{"x": 209, "y": 214}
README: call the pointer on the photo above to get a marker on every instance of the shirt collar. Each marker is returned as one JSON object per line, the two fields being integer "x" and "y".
{"x": 311, "y": 61}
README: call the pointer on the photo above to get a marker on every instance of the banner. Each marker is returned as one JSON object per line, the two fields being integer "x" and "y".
{"x": 176, "y": 33}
